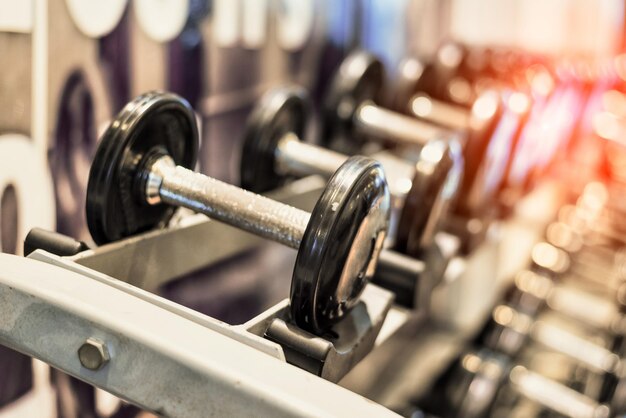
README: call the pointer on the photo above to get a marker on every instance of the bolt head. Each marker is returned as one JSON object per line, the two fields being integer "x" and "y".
{"x": 93, "y": 354}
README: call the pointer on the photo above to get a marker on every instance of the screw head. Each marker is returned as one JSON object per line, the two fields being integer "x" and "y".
{"x": 93, "y": 354}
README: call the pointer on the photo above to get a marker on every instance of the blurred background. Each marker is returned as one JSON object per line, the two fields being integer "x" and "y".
{"x": 68, "y": 66}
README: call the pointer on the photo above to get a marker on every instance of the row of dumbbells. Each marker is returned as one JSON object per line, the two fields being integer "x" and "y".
{"x": 442, "y": 167}
{"x": 577, "y": 274}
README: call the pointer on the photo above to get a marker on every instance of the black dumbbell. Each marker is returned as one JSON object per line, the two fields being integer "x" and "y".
{"x": 480, "y": 380}
{"x": 141, "y": 173}
{"x": 350, "y": 111}
{"x": 273, "y": 151}
{"x": 509, "y": 330}
{"x": 597, "y": 275}
{"x": 533, "y": 293}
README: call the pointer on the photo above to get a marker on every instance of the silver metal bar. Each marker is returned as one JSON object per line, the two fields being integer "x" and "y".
{"x": 384, "y": 124}
{"x": 120, "y": 259}
{"x": 555, "y": 396}
{"x": 588, "y": 309}
{"x": 254, "y": 213}
{"x": 590, "y": 355}
{"x": 441, "y": 113}
{"x": 235, "y": 333}
{"x": 48, "y": 312}
{"x": 295, "y": 157}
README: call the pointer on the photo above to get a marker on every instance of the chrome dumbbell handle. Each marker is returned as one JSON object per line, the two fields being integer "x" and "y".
{"x": 370, "y": 119}
{"x": 176, "y": 185}
{"x": 295, "y": 157}
{"x": 555, "y": 396}
{"x": 441, "y": 113}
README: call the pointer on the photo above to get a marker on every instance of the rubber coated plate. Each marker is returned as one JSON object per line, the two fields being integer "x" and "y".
{"x": 156, "y": 120}
{"x": 359, "y": 79}
{"x": 345, "y": 234}
{"x": 279, "y": 112}
{"x": 427, "y": 199}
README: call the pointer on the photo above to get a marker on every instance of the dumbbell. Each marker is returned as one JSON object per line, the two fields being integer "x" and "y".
{"x": 349, "y": 112}
{"x": 533, "y": 292}
{"x": 141, "y": 173}
{"x": 509, "y": 330}
{"x": 585, "y": 269}
{"x": 495, "y": 123}
{"x": 477, "y": 383}
{"x": 606, "y": 266}
{"x": 273, "y": 150}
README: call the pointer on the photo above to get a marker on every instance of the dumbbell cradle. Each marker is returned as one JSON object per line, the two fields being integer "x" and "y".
{"x": 141, "y": 173}
{"x": 273, "y": 151}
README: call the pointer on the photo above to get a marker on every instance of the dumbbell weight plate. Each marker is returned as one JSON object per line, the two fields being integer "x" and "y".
{"x": 362, "y": 77}
{"x": 338, "y": 243}
{"x": 114, "y": 210}
{"x": 266, "y": 127}
{"x": 426, "y": 201}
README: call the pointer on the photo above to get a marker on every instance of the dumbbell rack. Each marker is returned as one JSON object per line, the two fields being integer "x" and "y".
{"x": 202, "y": 365}
{"x": 170, "y": 359}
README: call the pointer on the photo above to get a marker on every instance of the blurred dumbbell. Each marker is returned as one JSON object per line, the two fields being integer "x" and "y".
{"x": 494, "y": 120}
{"x": 350, "y": 113}
{"x": 509, "y": 331}
{"x": 274, "y": 150}
{"x": 480, "y": 380}
{"x": 142, "y": 172}
{"x": 532, "y": 293}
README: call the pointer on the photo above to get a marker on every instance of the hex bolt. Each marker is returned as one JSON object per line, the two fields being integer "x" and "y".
{"x": 93, "y": 354}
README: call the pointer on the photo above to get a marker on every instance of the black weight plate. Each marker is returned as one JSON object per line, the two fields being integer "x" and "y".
{"x": 484, "y": 140}
{"x": 425, "y": 203}
{"x": 406, "y": 84}
{"x": 346, "y": 230}
{"x": 152, "y": 121}
{"x": 278, "y": 112}
{"x": 359, "y": 78}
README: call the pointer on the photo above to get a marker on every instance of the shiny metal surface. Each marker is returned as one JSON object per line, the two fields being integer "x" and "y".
{"x": 384, "y": 124}
{"x": 425, "y": 107}
{"x": 230, "y": 204}
{"x": 295, "y": 157}
{"x": 118, "y": 259}
{"x": 555, "y": 396}
{"x": 588, "y": 354}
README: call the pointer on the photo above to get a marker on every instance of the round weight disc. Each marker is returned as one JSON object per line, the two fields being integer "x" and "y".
{"x": 359, "y": 78}
{"x": 428, "y": 198}
{"x": 279, "y": 112}
{"x": 340, "y": 247}
{"x": 153, "y": 121}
